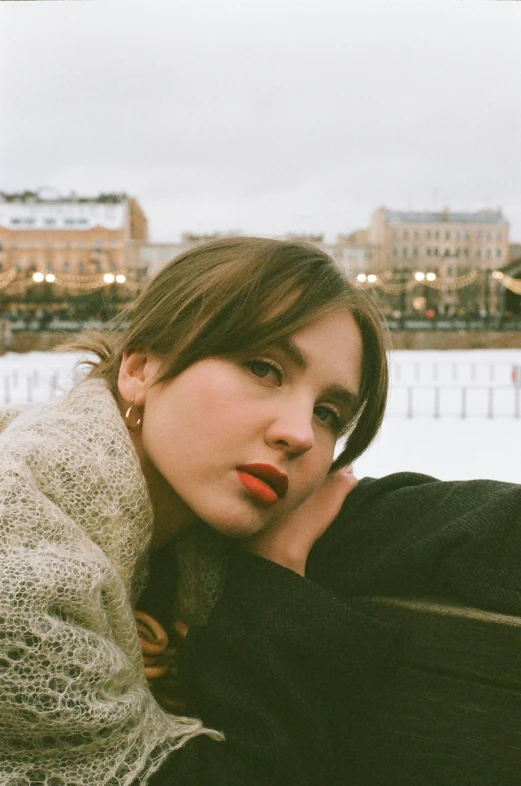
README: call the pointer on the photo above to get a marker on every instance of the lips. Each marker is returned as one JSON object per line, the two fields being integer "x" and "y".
{"x": 270, "y": 475}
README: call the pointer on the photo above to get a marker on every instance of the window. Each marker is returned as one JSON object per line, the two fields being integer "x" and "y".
{"x": 405, "y": 235}
{"x": 488, "y": 253}
{"x": 404, "y": 252}
{"x": 415, "y": 251}
{"x": 446, "y": 253}
{"x": 478, "y": 235}
{"x": 395, "y": 252}
{"x": 81, "y": 267}
{"x": 49, "y": 222}
{"x": 447, "y": 235}
{"x": 498, "y": 252}
{"x": 48, "y": 265}
{"x": 435, "y": 252}
{"x": 437, "y": 235}
{"x": 429, "y": 234}
{"x": 498, "y": 236}
{"x": 428, "y": 252}
{"x": 66, "y": 267}
{"x": 416, "y": 234}
{"x": 395, "y": 234}
{"x": 478, "y": 254}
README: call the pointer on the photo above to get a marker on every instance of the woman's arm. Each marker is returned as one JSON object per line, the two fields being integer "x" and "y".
{"x": 410, "y": 535}
{"x": 279, "y": 661}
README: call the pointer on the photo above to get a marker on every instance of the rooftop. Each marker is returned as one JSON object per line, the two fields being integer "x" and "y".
{"x": 47, "y": 195}
{"x": 445, "y": 217}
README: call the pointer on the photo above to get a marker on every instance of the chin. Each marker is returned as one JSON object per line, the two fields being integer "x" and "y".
{"x": 237, "y": 529}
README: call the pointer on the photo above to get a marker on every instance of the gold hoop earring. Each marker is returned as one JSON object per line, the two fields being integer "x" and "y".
{"x": 128, "y": 417}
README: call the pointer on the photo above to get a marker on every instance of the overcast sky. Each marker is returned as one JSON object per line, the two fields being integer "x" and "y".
{"x": 265, "y": 116}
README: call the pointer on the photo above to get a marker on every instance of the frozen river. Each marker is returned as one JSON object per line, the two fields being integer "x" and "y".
{"x": 424, "y": 429}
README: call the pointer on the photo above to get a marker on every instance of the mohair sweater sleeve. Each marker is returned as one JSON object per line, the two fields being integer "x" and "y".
{"x": 278, "y": 659}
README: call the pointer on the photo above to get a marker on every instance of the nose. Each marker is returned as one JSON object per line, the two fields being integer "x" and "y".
{"x": 292, "y": 429}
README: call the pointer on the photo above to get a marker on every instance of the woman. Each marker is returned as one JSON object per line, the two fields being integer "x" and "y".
{"x": 215, "y": 413}
{"x": 203, "y": 440}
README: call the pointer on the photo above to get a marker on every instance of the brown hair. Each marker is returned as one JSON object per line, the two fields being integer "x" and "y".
{"x": 236, "y": 296}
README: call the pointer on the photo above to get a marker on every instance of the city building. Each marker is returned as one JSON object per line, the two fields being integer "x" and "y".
{"x": 439, "y": 262}
{"x": 72, "y": 240}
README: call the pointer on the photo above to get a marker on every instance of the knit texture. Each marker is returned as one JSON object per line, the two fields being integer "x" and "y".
{"x": 76, "y": 521}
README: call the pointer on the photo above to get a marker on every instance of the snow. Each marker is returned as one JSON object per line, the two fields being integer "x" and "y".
{"x": 449, "y": 446}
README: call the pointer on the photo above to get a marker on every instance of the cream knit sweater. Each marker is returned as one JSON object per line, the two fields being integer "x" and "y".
{"x": 75, "y": 523}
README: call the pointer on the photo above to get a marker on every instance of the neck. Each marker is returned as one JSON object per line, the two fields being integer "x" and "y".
{"x": 171, "y": 514}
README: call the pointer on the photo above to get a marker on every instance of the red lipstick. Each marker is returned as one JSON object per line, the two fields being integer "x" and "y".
{"x": 264, "y": 482}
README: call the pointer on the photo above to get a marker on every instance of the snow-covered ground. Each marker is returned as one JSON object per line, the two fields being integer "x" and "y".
{"x": 486, "y": 443}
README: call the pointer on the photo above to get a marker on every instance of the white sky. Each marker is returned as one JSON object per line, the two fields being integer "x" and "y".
{"x": 265, "y": 116}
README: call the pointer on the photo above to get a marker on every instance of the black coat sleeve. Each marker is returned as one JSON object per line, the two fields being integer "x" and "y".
{"x": 410, "y": 535}
{"x": 278, "y": 660}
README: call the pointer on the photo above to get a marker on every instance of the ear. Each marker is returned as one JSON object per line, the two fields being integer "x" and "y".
{"x": 136, "y": 374}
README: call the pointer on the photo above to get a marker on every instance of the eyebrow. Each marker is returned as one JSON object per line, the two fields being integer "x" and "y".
{"x": 339, "y": 392}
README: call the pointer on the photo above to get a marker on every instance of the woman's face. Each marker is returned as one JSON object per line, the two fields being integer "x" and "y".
{"x": 284, "y": 410}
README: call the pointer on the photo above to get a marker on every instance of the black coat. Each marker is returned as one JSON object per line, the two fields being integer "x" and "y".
{"x": 322, "y": 681}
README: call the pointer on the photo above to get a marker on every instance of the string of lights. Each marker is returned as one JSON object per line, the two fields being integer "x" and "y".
{"x": 430, "y": 279}
{"x": 15, "y": 280}
{"x": 18, "y": 281}
{"x": 6, "y": 277}
{"x": 513, "y": 284}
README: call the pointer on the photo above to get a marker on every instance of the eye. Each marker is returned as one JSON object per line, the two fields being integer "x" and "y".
{"x": 266, "y": 369}
{"x": 331, "y": 417}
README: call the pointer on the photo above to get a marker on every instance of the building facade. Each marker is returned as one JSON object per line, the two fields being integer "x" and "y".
{"x": 439, "y": 262}
{"x": 71, "y": 238}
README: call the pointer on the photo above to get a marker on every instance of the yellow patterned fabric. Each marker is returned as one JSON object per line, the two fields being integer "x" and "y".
{"x": 75, "y": 524}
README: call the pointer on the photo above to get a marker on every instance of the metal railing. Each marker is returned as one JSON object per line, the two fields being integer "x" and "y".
{"x": 463, "y": 401}
{"x": 481, "y": 372}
